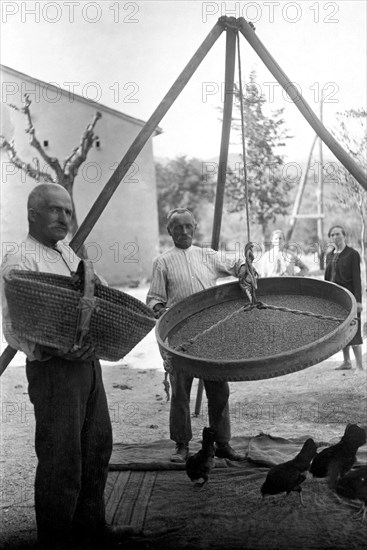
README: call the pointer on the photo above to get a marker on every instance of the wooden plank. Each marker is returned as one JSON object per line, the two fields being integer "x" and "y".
{"x": 114, "y": 493}
{"x": 130, "y": 497}
{"x": 301, "y": 104}
{"x": 141, "y": 504}
{"x": 143, "y": 136}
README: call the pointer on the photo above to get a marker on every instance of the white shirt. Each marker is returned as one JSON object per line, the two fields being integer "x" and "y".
{"x": 280, "y": 263}
{"x": 31, "y": 255}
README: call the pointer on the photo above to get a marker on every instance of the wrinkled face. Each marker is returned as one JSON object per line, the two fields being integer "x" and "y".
{"x": 50, "y": 222}
{"x": 182, "y": 228}
{"x": 337, "y": 237}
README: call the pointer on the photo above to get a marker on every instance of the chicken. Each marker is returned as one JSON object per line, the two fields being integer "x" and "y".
{"x": 354, "y": 487}
{"x": 335, "y": 461}
{"x": 288, "y": 476}
{"x": 199, "y": 465}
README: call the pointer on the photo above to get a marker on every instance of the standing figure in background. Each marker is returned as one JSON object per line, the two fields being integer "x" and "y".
{"x": 280, "y": 261}
{"x": 343, "y": 267}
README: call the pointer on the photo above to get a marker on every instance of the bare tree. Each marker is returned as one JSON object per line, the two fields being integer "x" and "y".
{"x": 62, "y": 173}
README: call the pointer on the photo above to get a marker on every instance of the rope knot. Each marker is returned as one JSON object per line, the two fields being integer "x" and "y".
{"x": 248, "y": 274}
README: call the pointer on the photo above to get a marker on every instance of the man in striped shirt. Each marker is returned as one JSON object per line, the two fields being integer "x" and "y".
{"x": 178, "y": 273}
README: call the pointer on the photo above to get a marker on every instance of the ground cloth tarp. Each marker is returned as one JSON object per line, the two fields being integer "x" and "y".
{"x": 156, "y": 497}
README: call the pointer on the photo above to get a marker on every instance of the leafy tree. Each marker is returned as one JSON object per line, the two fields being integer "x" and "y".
{"x": 62, "y": 173}
{"x": 182, "y": 183}
{"x": 268, "y": 187}
{"x": 351, "y": 196}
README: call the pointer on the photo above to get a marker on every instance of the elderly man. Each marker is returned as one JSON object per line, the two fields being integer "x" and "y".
{"x": 178, "y": 273}
{"x": 73, "y": 429}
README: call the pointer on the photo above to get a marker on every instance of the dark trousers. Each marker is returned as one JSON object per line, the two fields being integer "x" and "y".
{"x": 218, "y": 409}
{"x": 73, "y": 446}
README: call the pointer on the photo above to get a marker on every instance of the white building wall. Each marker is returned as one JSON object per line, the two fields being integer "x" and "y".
{"x": 124, "y": 241}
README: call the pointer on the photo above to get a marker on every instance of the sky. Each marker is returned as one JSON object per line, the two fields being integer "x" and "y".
{"x": 127, "y": 54}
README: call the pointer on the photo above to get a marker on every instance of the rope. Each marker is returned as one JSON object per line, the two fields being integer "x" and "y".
{"x": 299, "y": 312}
{"x": 249, "y": 307}
{"x": 243, "y": 138}
{"x": 182, "y": 347}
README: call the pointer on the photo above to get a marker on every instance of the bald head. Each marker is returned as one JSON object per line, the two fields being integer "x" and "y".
{"x": 49, "y": 213}
{"x": 39, "y": 195}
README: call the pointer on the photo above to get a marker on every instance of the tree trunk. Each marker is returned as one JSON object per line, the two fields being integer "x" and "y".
{"x": 264, "y": 229}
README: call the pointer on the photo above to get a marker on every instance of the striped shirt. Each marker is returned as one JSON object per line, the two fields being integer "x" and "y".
{"x": 31, "y": 255}
{"x": 179, "y": 272}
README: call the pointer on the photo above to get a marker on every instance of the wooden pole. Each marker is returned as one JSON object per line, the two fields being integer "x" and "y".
{"x": 223, "y": 159}
{"x": 226, "y": 130}
{"x": 320, "y": 196}
{"x": 310, "y": 216}
{"x": 301, "y": 104}
{"x": 143, "y": 136}
{"x": 6, "y": 357}
{"x": 102, "y": 200}
{"x": 301, "y": 188}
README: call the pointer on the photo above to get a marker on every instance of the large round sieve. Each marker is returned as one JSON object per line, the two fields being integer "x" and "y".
{"x": 257, "y": 344}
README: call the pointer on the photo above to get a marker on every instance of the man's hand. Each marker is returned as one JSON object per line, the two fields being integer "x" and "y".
{"x": 158, "y": 310}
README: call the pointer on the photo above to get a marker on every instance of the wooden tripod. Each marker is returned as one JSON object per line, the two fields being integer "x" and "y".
{"x": 232, "y": 26}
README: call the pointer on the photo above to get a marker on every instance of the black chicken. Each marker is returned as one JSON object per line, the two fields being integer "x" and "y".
{"x": 288, "y": 476}
{"x": 354, "y": 487}
{"x": 199, "y": 465}
{"x": 335, "y": 461}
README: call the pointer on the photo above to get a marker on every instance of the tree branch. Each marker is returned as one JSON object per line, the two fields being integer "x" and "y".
{"x": 79, "y": 154}
{"x": 31, "y": 171}
{"x": 51, "y": 161}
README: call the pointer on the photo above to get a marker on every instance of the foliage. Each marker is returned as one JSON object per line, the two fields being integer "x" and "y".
{"x": 182, "y": 183}
{"x": 350, "y": 195}
{"x": 352, "y": 132}
{"x": 268, "y": 186}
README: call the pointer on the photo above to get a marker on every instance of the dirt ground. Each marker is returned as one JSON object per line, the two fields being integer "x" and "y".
{"x": 318, "y": 401}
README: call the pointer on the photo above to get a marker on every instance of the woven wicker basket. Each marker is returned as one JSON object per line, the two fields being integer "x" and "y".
{"x": 63, "y": 312}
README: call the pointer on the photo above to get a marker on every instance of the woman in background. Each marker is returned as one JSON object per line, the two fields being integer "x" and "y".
{"x": 343, "y": 267}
